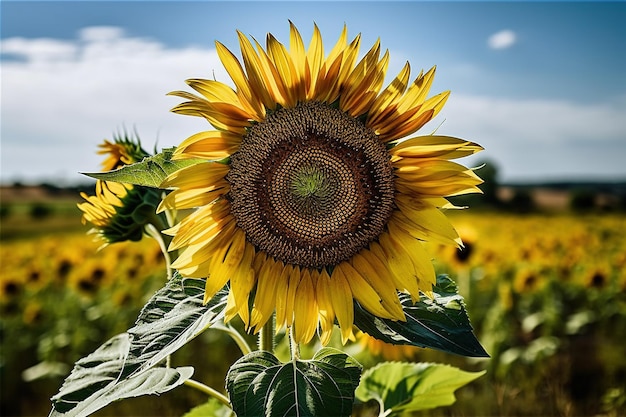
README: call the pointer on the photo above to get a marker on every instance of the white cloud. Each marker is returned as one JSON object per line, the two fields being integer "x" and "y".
{"x": 42, "y": 49}
{"x": 101, "y": 33}
{"x": 502, "y": 39}
{"x": 64, "y": 97}
{"x": 540, "y": 137}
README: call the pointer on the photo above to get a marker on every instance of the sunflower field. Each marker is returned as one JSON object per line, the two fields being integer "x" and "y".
{"x": 545, "y": 292}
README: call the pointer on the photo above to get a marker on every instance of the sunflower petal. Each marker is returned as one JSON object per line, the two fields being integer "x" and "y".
{"x": 265, "y": 299}
{"x": 362, "y": 291}
{"x": 305, "y": 309}
{"x": 211, "y": 145}
{"x": 376, "y": 273}
{"x": 244, "y": 91}
{"x": 411, "y": 251}
{"x": 424, "y": 221}
{"x": 314, "y": 58}
{"x": 341, "y": 297}
{"x": 325, "y": 306}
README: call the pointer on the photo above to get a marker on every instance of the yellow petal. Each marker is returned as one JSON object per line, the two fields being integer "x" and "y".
{"x": 343, "y": 305}
{"x": 255, "y": 72}
{"x": 215, "y": 91}
{"x": 202, "y": 225}
{"x": 242, "y": 282}
{"x": 340, "y": 46}
{"x": 377, "y": 274}
{"x": 417, "y": 92}
{"x": 305, "y": 309}
{"x": 297, "y": 52}
{"x": 413, "y": 255}
{"x": 284, "y": 298}
{"x": 196, "y": 197}
{"x": 294, "y": 85}
{"x": 265, "y": 299}
{"x": 314, "y": 58}
{"x": 246, "y": 96}
{"x": 434, "y": 146}
{"x": 390, "y": 95}
{"x": 361, "y": 290}
{"x": 196, "y": 256}
{"x": 425, "y": 221}
{"x": 225, "y": 264}
{"x": 210, "y": 144}
{"x": 271, "y": 78}
{"x": 399, "y": 265}
{"x": 325, "y": 306}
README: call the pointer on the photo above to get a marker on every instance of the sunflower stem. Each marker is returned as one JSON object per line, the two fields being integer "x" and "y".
{"x": 266, "y": 336}
{"x": 209, "y": 391}
{"x": 294, "y": 347}
{"x": 236, "y": 336}
{"x": 155, "y": 234}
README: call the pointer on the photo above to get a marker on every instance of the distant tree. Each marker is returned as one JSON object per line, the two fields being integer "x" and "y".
{"x": 583, "y": 199}
{"x": 522, "y": 201}
{"x": 40, "y": 211}
{"x": 489, "y": 173}
{"x": 5, "y": 211}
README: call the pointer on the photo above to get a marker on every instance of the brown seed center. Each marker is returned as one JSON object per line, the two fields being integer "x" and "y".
{"x": 311, "y": 186}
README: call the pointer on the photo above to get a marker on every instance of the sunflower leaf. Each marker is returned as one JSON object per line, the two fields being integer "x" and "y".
{"x": 403, "y": 387}
{"x": 260, "y": 385}
{"x": 439, "y": 323}
{"x": 95, "y": 380}
{"x": 125, "y": 365}
{"x": 149, "y": 172}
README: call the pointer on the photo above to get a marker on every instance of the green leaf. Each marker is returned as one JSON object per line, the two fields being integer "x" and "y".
{"x": 439, "y": 323}
{"x": 94, "y": 381}
{"x": 402, "y": 387}
{"x": 149, "y": 172}
{"x": 171, "y": 318}
{"x": 212, "y": 408}
{"x": 260, "y": 385}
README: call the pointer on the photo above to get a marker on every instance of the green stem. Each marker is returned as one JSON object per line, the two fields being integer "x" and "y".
{"x": 236, "y": 336}
{"x": 294, "y": 347}
{"x": 266, "y": 336}
{"x": 209, "y": 391}
{"x": 155, "y": 234}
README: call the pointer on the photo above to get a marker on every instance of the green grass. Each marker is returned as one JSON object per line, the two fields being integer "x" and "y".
{"x": 31, "y": 219}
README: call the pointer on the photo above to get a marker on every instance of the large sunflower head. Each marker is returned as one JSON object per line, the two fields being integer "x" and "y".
{"x": 119, "y": 211}
{"x": 312, "y": 196}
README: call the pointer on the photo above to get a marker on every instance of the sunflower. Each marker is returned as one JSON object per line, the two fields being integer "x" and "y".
{"x": 311, "y": 196}
{"x": 119, "y": 211}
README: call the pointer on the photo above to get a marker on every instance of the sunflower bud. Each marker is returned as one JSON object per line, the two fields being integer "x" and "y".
{"x": 119, "y": 211}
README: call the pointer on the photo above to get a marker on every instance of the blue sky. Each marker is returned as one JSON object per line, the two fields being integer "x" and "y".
{"x": 542, "y": 86}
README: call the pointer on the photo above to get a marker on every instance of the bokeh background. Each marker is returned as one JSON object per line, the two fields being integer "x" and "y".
{"x": 542, "y": 86}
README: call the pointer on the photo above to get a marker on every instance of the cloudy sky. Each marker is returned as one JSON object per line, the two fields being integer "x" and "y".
{"x": 542, "y": 86}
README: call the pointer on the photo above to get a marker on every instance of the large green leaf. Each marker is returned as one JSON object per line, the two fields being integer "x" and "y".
{"x": 95, "y": 383}
{"x": 172, "y": 317}
{"x": 149, "y": 172}
{"x": 439, "y": 323}
{"x": 260, "y": 385}
{"x": 402, "y": 386}
{"x": 126, "y": 364}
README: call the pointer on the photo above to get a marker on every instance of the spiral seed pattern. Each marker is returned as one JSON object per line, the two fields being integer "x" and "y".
{"x": 311, "y": 186}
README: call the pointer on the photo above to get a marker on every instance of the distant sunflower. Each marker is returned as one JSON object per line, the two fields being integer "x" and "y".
{"x": 309, "y": 198}
{"x": 119, "y": 211}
